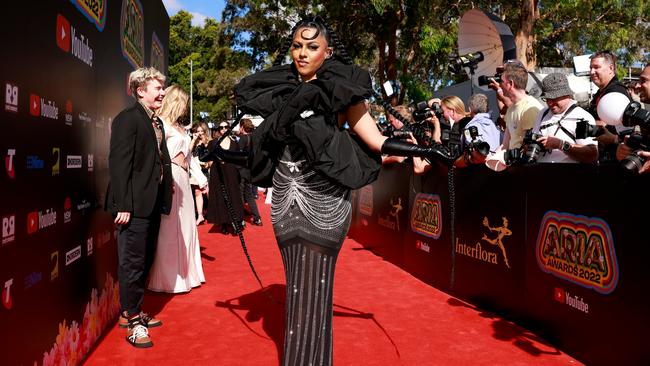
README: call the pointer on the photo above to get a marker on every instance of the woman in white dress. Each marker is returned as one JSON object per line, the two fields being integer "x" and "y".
{"x": 177, "y": 263}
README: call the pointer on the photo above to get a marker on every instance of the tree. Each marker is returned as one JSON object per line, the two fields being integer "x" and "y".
{"x": 411, "y": 41}
{"x": 216, "y": 66}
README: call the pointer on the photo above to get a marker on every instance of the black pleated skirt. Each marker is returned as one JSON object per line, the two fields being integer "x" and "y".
{"x": 309, "y": 270}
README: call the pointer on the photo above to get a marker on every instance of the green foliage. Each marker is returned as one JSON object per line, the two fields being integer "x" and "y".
{"x": 216, "y": 66}
{"x": 407, "y": 40}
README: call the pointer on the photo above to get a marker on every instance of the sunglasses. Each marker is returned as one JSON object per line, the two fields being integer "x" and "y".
{"x": 222, "y": 128}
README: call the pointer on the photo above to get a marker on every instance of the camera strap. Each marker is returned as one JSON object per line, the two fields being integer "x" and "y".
{"x": 559, "y": 122}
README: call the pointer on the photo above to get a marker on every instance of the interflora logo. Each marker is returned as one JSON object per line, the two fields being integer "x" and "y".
{"x": 426, "y": 216}
{"x": 93, "y": 10}
{"x": 578, "y": 249}
{"x": 70, "y": 40}
{"x": 493, "y": 238}
{"x": 132, "y": 32}
{"x": 391, "y": 219}
{"x": 11, "y": 98}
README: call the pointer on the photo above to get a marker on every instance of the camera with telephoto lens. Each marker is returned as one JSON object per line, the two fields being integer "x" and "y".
{"x": 486, "y": 80}
{"x": 633, "y": 162}
{"x": 422, "y": 111}
{"x": 472, "y": 144}
{"x": 635, "y": 115}
{"x": 532, "y": 147}
{"x": 402, "y": 133}
{"x": 529, "y": 152}
{"x": 584, "y": 129}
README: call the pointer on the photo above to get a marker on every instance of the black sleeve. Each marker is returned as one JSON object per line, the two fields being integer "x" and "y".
{"x": 120, "y": 161}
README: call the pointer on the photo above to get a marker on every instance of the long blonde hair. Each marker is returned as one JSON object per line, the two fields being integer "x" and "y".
{"x": 174, "y": 105}
{"x": 455, "y": 104}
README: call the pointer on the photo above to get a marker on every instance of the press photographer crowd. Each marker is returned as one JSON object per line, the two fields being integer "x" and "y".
{"x": 612, "y": 128}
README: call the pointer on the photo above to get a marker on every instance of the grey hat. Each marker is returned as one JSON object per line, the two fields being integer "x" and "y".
{"x": 556, "y": 85}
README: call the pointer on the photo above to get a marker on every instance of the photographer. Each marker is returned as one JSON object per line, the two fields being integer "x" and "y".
{"x": 602, "y": 72}
{"x": 450, "y": 124}
{"x": 397, "y": 125}
{"x": 503, "y": 102}
{"x": 557, "y": 125}
{"x": 642, "y": 88}
{"x": 521, "y": 115}
{"x": 485, "y": 132}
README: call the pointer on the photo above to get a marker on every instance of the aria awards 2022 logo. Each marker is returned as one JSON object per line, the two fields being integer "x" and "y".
{"x": 578, "y": 249}
{"x": 426, "y": 216}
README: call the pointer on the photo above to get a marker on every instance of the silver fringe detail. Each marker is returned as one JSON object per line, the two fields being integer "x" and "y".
{"x": 322, "y": 203}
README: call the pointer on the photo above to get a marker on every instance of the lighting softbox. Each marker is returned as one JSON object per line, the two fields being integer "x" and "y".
{"x": 479, "y": 31}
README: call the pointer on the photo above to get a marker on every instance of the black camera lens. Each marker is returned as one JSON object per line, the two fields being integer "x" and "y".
{"x": 632, "y": 163}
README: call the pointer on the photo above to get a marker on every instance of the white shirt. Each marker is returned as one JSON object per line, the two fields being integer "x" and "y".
{"x": 569, "y": 123}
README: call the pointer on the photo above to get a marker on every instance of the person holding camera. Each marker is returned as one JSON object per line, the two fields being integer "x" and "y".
{"x": 602, "y": 72}
{"x": 642, "y": 88}
{"x": 557, "y": 125}
{"x": 480, "y": 136}
{"x": 520, "y": 116}
{"x": 397, "y": 125}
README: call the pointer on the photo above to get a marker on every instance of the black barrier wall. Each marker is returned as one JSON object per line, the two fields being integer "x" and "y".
{"x": 560, "y": 248}
{"x": 64, "y": 72}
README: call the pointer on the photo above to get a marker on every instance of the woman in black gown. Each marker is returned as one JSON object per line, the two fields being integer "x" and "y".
{"x": 226, "y": 174}
{"x": 303, "y": 150}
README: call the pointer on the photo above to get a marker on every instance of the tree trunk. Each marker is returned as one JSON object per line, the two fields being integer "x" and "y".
{"x": 525, "y": 38}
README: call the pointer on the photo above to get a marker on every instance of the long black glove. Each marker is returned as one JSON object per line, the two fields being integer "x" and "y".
{"x": 240, "y": 158}
{"x": 397, "y": 147}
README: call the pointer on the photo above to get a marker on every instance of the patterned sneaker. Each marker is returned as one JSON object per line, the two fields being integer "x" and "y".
{"x": 147, "y": 320}
{"x": 137, "y": 334}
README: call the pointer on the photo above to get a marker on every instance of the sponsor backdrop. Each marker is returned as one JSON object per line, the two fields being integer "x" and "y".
{"x": 64, "y": 74}
{"x": 559, "y": 248}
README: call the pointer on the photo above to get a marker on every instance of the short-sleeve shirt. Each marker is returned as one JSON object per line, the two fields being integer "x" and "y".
{"x": 521, "y": 117}
{"x": 547, "y": 125}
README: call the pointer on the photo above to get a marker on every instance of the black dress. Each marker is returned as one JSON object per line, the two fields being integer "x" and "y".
{"x": 312, "y": 164}
{"x": 228, "y": 176}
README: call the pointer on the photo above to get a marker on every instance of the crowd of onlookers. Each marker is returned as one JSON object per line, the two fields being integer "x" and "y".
{"x": 211, "y": 179}
{"x": 563, "y": 130}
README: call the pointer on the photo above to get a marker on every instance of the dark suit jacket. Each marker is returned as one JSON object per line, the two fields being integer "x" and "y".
{"x": 134, "y": 166}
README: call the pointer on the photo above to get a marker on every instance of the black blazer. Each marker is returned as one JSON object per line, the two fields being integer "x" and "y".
{"x": 134, "y": 166}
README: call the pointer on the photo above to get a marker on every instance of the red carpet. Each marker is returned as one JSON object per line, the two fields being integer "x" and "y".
{"x": 383, "y": 316}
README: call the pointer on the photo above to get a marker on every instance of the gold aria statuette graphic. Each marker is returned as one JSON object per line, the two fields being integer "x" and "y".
{"x": 501, "y": 231}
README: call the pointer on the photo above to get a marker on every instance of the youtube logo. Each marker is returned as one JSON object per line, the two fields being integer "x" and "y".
{"x": 34, "y": 105}
{"x": 62, "y": 33}
{"x": 32, "y": 222}
{"x": 559, "y": 295}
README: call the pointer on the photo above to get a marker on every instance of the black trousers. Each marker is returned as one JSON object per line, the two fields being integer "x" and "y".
{"x": 136, "y": 247}
{"x": 247, "y": 192}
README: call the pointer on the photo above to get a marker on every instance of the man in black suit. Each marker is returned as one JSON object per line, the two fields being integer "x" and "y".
{"x": 139, "y": 191}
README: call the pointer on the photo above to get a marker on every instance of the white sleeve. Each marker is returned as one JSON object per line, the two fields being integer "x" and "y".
{"x": 196, "y": 173}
